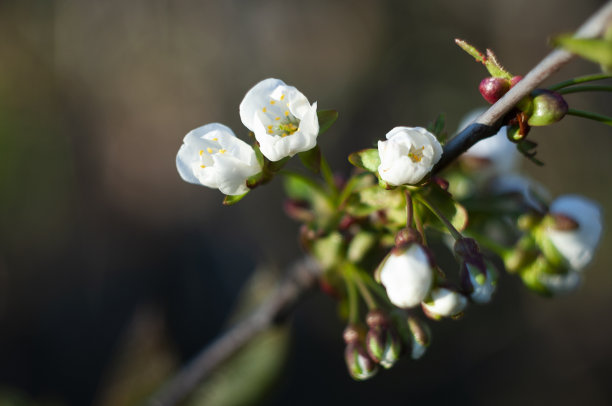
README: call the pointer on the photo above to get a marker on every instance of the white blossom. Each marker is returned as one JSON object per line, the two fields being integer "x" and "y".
{"x": 407, "y": 275}
{"x": 282, "y": 119}
{"x": 445, "y": 302}
{"x": 577, "y": 246}
{"x": 408, "y": 155}
{"x": 499, "y": 153}
{"x": 212, "y": 156}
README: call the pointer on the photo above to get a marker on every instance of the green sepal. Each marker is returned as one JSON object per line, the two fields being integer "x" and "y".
{"x": 311, "y": 159}
{"x": 592, "y": 49}
{"x": 258, "y": 155}
{"x": 233, "y": 199}
{"x": 436, "y": 127}
{"x": 326, "y": 119}
{"x": 444, "y": 202}
{"x": 278, "y": 165}
{"x": 367, "y": 159}
{"x": 359, "y": 246}
{"x": 490, "y": 61}
{"x": 300, "y": 187}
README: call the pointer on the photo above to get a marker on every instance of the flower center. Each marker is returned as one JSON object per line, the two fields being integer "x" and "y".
{"x": 278, "y": 119}
{"x": 416, "y": 154}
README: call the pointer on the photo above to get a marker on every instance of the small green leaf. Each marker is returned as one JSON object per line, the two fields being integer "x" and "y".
{"x": 444, "y": 202}
{"x": 326, "y": 119}
{"x": 374, "y": 198}
{"x": 233, "y": 199}
{"x": 596, "y": 50}
{"x": 367, "y": 159}
{"x": 312, "y": 159}
{"x": 436, "y": 127}
{"x": 328, "y": 250}
{"x": 489, "y": 61}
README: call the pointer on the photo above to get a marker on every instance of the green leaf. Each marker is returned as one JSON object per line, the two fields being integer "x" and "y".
{"x": 444, "y": 202}
{"x": 374, "y": 198}
{"x": 596, "y": 50}
{"x": 437, "y": 128}
{"x": 300, "y": 187}
{"x": 367, "y": 159}
{"x": 312, "y": 159}
{"x": 233, "y": 199}
{"x": 326, "y": 119}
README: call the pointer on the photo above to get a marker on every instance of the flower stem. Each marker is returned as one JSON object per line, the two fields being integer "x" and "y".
{"x": 419, "y": 226}
{"x": 489, "y": 244}
{"x": 409, "y": 209}
{"x": 328, "y": 176}
{"x": 580, "y": 79}
{"x": 451, "y": 228}
{"x": 353, "y": 302}
{"x": 586, "y": 88}
{"x": 591, "y": 116}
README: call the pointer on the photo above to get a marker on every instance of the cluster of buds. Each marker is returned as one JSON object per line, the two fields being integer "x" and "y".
{"x": 371, "y": 233}
{"x": 558, "y": 245}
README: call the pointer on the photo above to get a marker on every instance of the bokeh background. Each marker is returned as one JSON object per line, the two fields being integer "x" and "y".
{"x": 113, "y": 271}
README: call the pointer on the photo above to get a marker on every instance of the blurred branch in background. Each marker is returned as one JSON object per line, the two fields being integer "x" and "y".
{"x": 302, "y": 276}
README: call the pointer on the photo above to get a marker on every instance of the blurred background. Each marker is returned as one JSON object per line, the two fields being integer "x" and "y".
{"x": 113, "y": 271}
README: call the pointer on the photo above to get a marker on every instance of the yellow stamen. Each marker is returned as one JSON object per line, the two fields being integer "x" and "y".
{"x": 285, "y": 135}
{"x": 201, "y": 152}
{"x": 272, "y": 102}
{"x": 202, "y": 166}
{"x": 264, "y": 109}
{"x": 209, "y": 150}
{"x": 269, "y": 127}
{"x": 282, "y": 97}
{"x": 277, "y": 118}
{"x": 215, "y": 139}
{"x": 286, "y": 113}
{"x": 222, "y": 151}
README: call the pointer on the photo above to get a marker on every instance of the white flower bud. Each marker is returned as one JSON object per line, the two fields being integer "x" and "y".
{"x": 408, "y": 155}
{"x": 445, "y": 303}
{"x": 282, "y": 119}
{"x": 407, "y": 275}
{"x": 576, "y": 246}
{"x": 212, "y": 156}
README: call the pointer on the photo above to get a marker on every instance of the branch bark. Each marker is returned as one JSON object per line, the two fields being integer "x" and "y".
{"x": 303, "y": 275}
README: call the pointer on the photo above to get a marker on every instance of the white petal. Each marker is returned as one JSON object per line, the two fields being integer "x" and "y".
{"x": 577, "y": 246}
{"x": 408, "y": 155}
{"x": 445, "y": 302}
{"x": 407, "y": 277}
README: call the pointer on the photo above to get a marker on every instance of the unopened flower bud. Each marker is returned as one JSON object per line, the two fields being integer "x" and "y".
{"x": 444, "y": 302}
{"x": 360, "y": 365}
{"x": 420, "y": 337}
{"x": 407, "y": 236}
{"x": 382, "y": 341}
{"x": 548, "y": 107}
{"x": 407, "y": 275}
{"x": 478, "y": 277}
{"x": 541, "y": 277}
{"x": 574, "y": 231}
{"x": 492, "y": 89}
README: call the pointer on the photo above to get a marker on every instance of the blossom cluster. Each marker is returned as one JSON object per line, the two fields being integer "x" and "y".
{"x": 371, "y": 233}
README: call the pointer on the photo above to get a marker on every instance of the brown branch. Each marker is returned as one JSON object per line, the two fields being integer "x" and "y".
{"x": 490, "y": 121}
{"x": 304, "y": 274}
{"x": 301, "y": 277}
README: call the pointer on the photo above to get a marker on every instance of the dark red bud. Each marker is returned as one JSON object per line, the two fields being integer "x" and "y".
{"x": 492, "y": 89}
{"x": 407, "y": 236}
{"x": 515, "y": 80}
